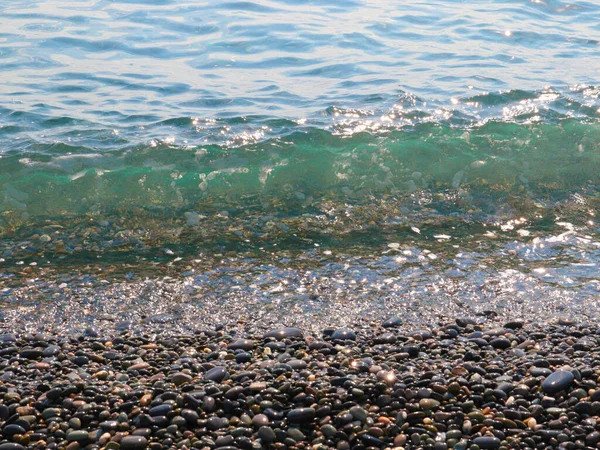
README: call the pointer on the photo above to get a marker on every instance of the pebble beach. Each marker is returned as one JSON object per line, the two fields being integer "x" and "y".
{"x": 299, "y": 224}
{"x": 470, "y": 383}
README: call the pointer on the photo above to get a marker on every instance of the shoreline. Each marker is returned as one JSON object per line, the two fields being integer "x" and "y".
{"x": 467, "y": 384}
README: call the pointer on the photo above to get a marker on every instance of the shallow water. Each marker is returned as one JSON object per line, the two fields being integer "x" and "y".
{"x": 341, "y": 161}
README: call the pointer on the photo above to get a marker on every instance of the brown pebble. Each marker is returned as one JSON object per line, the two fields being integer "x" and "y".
{"x": 73, "y": 446}
{"x": 400, "y": 440}
{"x": 146, "y": 399}
{"x": 149, "y": 346}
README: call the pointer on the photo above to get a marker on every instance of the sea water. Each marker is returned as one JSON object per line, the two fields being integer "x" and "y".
{"x": 338, "y": 160}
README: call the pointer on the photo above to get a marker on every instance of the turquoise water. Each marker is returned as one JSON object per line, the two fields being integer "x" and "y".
{"x": 142, "y": 133}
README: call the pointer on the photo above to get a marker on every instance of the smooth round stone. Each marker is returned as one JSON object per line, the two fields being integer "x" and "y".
{"x": 134, "y": 443}
{"x": 216, "y": 423}
{"x": 385, "y": 338}
{"x": 50, "y": 412}
{"x": 513, "y": 325}
{"x": 463, "y": 322}
{"x": 344, "y": 335}
{"x": 6, "y": 338}
{"x": 500, "y": 343}
{"x": 540, "y": 372}
{"x": 412, "y": 350}
{"x": 558, "y": 381}
{"x": 12, "y": 429}
{"x": 225, "y": 441}
{"x": 359, "y": 413}
{"x": 296, "y": 434}
{"x": 480, "y": 342}
{"x": 91, "y": 332}
{"x": 328, "y": 430}
{"x": 81, "y": 360}
{"x": 11, "y": 446}
{"x": 371, "y": 441}
{"x": 51, "y": 350}
{"x": 4, "y": 412}
{"x": 394, "y": 322}
{"x": 422, "y": 334}
{"x": 267, "y": 434}
{"x": 297, "y": 364}
{"x": 31, "y": 353}
{"x": 592, "y": 438}
{"x": 78, "y": 435}
{"x": 109, "y": 425}
{"x": 284, "y": 333}
{"x": 301, "y": 415}
{"x": 75, "y": 423}
{"x": 428, "y": 403}
{"x": 487, "y": 442}
{"x": 161, "y": 410}
{"x": 209, "y": 404}
{"x": 216, "y": 374}
{"x": 180, "y": 378}
{"x": 260, "y": 420}
{"x": 241, "y": 344}
{"x": 190, "y": 416}
{"x": 584, "y": 408}
{"x": 452, "y": 333}
{"x": 243, "y": 357}
{"x": 8, "y": 351}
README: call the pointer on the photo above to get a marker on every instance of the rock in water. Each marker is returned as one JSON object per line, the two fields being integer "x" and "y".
{"x": 392, "y": 323}
{"x": 284, "y": 333}
{"x": 558, "y": 381}
{"x": 344, "y": 335}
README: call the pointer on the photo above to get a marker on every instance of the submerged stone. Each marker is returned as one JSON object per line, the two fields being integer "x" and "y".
{"x": 284, "y": 333}
{"x": 344, "y": 335}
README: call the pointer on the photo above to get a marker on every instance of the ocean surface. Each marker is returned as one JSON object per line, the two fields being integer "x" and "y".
{"x": 297, "y": 162}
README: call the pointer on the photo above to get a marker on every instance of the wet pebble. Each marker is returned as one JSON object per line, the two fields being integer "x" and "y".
{"x": 344, "y": 335}
{"x": 284, "y": 333}
{"x": 558, "y": 381}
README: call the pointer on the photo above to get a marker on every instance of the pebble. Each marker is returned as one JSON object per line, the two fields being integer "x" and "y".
{"x": 375, "y": 387}
{"x": 428, "y": 403}
{"x": 344, "y": 335}
{"x": 500, "y": 343}
{"x": 241, "y": 344}
{"x": 394, "y": 322}
{"x": 558, "y": 381}
{"x": 284, "y": 333}
{"x": 260, "y": 420}
{"x": 359, "y": 413}
{"x": 180, "y": 378}
{"x": 78, "y": 435}
{"x": 134, "y": 443}
{"x": 301, "y": 415}
{"x": 160, "y": 410}
{"x": 267, "y": 434}
{"x": 486, "y": 442}
{"x": 216, "y": 374}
